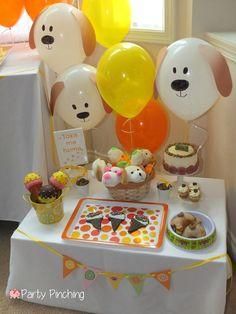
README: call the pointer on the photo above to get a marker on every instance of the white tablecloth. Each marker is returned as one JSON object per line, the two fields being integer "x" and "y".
{"x": 201, "y": 290}
{"x": 24, "y": 129}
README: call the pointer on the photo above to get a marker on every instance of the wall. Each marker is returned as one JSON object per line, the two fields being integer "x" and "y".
{"x": 213, "y": 16}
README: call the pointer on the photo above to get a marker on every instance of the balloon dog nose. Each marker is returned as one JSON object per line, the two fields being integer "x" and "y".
{"x": 83, "y": 115}
{"x": 47, "y": 40}
{"x": 179, "y": 85}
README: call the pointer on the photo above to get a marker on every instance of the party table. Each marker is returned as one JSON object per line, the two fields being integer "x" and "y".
{"x": 25, "y": 134}
{"x": 37, "y": 270}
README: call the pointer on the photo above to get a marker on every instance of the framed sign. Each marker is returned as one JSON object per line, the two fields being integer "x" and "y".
{"x": 71, "y": 148}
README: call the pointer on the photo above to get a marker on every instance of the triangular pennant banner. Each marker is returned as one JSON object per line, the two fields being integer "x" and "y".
{"x": 90, "y": 275}
{"x": 164, "y": 277}
{"x": 115, "y": 280}
{"x": 137, "y": 282}
{"x": 69, "y": 264}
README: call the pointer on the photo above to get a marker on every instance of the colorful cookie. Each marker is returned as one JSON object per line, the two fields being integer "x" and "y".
{"x": 139, "y": 221}
{"x": 95, "y": 219}
{"x": 116, "y": 219}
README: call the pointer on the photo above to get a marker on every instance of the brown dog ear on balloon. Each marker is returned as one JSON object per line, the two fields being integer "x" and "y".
{"x": 219, "y": 69}
{"x": 87, "y": 32}
{"x": 160, "y": 57}
{"x": 56, "y": 90}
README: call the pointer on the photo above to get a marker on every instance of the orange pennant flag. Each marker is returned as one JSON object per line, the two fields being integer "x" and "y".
{"x": 69, "y": 264}
{"x": 163, "y": 277}
{"x": 115, "y": 280}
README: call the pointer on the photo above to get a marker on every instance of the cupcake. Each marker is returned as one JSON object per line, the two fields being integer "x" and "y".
{"x": 183, "y": 190}
{"x": 193, "y": 185}
{"x": 195, "y": 195}
{"x": 48, "y": 194}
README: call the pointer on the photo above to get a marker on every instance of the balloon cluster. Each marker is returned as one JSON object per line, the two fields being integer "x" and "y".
{"x": 191, "y": 74}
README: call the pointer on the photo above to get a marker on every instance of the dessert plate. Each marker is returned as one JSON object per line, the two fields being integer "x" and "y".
{"x": 150, "y": 236}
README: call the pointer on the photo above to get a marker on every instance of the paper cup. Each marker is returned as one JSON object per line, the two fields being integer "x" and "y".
{"x": 83, "y": 190}
{"x": 164, "y": 195}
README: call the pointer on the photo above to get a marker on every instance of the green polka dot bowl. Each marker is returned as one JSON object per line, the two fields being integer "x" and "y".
{"x": 194, "y": 244}
{"x": 47, "y": 213}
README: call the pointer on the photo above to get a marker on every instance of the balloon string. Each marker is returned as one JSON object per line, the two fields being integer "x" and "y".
{"x": 131, "y": 134}
{"x": 198, "y": 128}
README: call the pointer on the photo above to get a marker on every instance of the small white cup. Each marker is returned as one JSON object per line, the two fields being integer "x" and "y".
{"x": 83, "y": 190}
{"x": 164, "y": 194}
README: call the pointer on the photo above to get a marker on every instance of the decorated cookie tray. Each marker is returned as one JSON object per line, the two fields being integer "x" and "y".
{"x": 101, "y": 230}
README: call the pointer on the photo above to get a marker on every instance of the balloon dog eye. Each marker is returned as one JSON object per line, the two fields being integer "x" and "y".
{"x": 174, "y": 70}
{"x": 86, "y": 105}
{"x": 43, "y": 28}
{"x": 132, "y": 172}
{"x": 51, "y": 28}
{"x": 185, "y": 70}
{"x": 74, "y": 106}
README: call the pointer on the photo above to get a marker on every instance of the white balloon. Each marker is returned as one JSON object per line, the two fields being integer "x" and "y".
{"x": 191, "y": 76}
{"x": 75, "y": 98}
{"x": 63, "y": 36}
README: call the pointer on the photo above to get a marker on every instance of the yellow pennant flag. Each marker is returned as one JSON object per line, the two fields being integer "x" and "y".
{"x": 69, "y": 264}
{"x": 115, "y": 280}
{"x": 163, "y": 277}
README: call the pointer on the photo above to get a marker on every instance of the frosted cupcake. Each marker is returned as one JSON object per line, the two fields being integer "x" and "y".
{"x": 183, "y": 190}
{"x": 195, "y": 195}
{"x": 193, "y": 185}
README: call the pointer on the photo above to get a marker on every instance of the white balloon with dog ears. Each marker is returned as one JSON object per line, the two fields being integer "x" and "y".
{"x": 75, "y": 98}
{"x": 63, "y": 36}
{"x": 191, "y": 76}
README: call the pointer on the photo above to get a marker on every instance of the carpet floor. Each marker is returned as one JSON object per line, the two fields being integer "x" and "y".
{"x": 20, "y": 307}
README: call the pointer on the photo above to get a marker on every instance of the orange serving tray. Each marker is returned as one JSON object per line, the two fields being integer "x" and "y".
{"x": 151, "y": 236}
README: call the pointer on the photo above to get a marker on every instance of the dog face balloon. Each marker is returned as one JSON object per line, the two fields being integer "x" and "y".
{"x": 75, "y": 98}
{"x": 63, "y": 36}
{"x": 191, "y": 77}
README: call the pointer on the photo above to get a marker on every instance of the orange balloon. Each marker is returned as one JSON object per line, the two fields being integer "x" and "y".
{"x": 10, "y": 12}
{"x": 147, "y": 130}
{"x": 34, "y": 7}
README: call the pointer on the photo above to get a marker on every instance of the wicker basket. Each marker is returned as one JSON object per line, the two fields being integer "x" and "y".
{"x": 131, "y": 191}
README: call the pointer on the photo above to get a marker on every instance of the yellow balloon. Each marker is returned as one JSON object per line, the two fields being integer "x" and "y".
{"x": 111, "y": 19}
{"x": 125, "y": 78}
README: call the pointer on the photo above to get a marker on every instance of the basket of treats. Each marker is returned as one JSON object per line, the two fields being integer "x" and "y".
{"x": 126, "y": 176}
